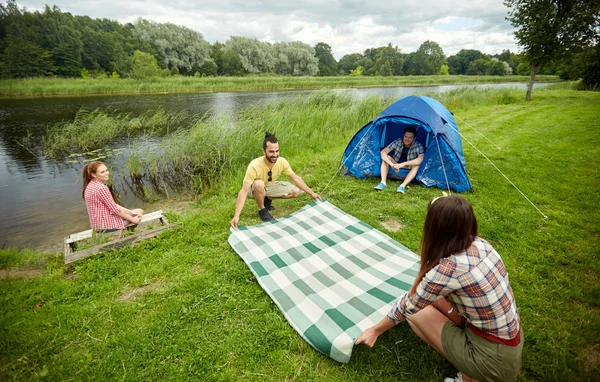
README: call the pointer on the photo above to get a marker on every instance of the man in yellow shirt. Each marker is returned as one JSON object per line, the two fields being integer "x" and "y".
{"x": 261, "y": 184}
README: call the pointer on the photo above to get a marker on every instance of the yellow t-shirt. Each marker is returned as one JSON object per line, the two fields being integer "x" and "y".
{"x": 257, "y": 169}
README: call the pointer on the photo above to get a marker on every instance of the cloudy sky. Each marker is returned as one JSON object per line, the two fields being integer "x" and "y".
{"x": 348, "y": 26}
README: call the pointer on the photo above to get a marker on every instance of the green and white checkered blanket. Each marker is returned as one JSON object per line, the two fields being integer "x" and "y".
{"x": 330, "y": 274}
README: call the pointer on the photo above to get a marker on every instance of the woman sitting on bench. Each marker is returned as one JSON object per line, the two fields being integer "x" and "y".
{"x": 105, "y": 214}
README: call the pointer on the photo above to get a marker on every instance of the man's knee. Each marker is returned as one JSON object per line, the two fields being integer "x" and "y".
{"x": 259, "y": 185}
{"x": 294, "y": 193}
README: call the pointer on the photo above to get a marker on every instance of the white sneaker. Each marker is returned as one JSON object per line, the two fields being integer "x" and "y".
{"x": 458, "y": 378}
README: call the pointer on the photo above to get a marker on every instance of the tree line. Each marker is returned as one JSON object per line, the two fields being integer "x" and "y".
{"x": 56, "y": 43}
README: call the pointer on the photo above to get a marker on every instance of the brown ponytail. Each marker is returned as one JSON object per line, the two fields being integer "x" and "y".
{"x": 87, "y": 172}
{"x": 450, "y": 227}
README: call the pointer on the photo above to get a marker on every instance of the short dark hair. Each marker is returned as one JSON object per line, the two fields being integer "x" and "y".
{"x": 411, "y": 129}
{"x": 269, "y": 138}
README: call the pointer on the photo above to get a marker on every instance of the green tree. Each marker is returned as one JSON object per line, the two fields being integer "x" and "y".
{"x": 230, "y": 63}
{"x": 549, "y": 28}
{"x": 208, "y": 69}
{"x": 174, "y": 45}
{"x": 327, "y": 64}
{"x": 591, "y": 76}
{"x": 144, "y": 65}
{"x": 348, "y": 62}
{"x": 61, "y": 36}
{"x": 443, "y": 71}
{"x": 255, "y": 56}
{"x": 478, "y": 67}
{"x": 428, "y": 59}
{"x": 459, "y": 63}
{"x": 358, "y": 71}
{"x": 384, "y": 57}
{"x": 107, "y": 45}
{"x": 385, "y": 69}
{"x": 368, "y": 65}
{"x": 295, "y": 58}
{"x": 23, "y": 54}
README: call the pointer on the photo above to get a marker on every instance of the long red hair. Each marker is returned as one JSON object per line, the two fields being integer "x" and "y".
{"x": 87, "y": 172}
{"x": 450, "y": 227}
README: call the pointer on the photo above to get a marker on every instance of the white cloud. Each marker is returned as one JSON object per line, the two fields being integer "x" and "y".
{"x": 348, "y": 26}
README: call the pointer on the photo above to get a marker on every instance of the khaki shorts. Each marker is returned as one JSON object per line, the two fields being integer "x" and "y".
{"x": 479, "y": 358}
{"x": 276, "y": 189}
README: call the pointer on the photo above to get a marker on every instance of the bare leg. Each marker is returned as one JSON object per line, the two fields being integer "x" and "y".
{"x": 259, "y": 193}
{"x": 428, "y": 324}
{"x": 411, "y": 175}
{"x": 384, "y": 169}
{"x": 293, "y": 194}
{"x": 138, "y": 211}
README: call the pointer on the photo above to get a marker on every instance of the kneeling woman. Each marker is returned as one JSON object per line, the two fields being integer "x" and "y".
{"x": 105, "y": 214}
{"x": 461, "y": 303}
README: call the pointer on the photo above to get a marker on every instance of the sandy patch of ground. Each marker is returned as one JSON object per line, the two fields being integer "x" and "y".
{"x": 20, "y": 273}
{"x": 392, "y": 225}
{"x": 591, "y": 357}
{"x": 131, "y": 294}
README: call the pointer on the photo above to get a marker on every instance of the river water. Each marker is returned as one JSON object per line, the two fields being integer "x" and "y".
{"x": 40, "y": 199}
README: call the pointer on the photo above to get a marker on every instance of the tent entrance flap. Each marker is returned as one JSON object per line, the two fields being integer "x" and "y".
{"x": 362, "y": 156}
{"x": 394, "y": 129}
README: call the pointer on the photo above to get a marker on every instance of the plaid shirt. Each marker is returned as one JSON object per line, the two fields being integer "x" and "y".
{"x": 414, "y": 150}
{"x": 476, "y": 283}
{"x": 101, "y": 207}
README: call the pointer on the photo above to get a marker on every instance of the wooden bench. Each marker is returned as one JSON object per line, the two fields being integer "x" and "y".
{"x": 72, "y": 255}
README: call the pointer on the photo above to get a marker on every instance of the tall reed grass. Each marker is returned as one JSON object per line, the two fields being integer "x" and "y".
{"x": 94, "y": 129}
{"x": 191, "y": 160}
{"x": 61, "y": 87}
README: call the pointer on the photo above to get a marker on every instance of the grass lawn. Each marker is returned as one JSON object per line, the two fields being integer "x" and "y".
{"x": 186, "y": 307}
{"x": 74, "y": 87}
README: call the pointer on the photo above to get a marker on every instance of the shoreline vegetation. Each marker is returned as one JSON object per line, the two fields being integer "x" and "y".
{"x": 185, "y": 306}
{"x": 77, "y": 87}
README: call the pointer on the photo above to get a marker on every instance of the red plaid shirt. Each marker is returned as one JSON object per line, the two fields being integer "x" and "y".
{"x": 476, "y": 283}
{"x": 101, "y": 207}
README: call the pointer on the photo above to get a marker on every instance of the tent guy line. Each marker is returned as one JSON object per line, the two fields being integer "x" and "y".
{"x": 501, "y": 173}
{"x": 478, "y": 132}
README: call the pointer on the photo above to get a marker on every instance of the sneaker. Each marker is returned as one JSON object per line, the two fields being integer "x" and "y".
{"x": 457, "y": 379}
{"x": 400, "y": 189}
{"x": 268, "y": 205}
{"x": 264, "y": 215}
{"x": 380, "y": 186}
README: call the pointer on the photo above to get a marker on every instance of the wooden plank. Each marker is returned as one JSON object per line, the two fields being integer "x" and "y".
{"x": 89, "y": 233}
{"x": 74, "y": 256}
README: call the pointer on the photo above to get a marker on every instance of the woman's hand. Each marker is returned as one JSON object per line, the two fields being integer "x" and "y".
{"x": 135, "y": 218}
{"x": 368, "y": 337}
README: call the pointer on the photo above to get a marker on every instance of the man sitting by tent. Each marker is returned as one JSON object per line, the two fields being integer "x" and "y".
{"x": 407, "y": 153}
{"x": 261, "y": 182}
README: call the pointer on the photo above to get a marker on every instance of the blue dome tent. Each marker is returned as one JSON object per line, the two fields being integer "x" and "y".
{"x": 443, "y": 165}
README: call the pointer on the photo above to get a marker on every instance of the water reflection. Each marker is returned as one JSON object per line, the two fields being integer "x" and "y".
{"x": 40, "y": 200}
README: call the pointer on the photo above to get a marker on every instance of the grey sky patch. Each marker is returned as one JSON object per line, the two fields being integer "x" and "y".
{"x": 348, "y": 26}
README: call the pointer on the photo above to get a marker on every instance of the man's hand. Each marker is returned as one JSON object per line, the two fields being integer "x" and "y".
{"x": 316, "y": 196}
{"x": 368, "y": 337}
{"x": 234, "y": 222}
{"x": 398, "y": 166}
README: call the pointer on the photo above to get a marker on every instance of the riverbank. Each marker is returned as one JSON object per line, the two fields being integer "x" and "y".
{"x": 184, "y": 306}
{"x": 77, "y": 87}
